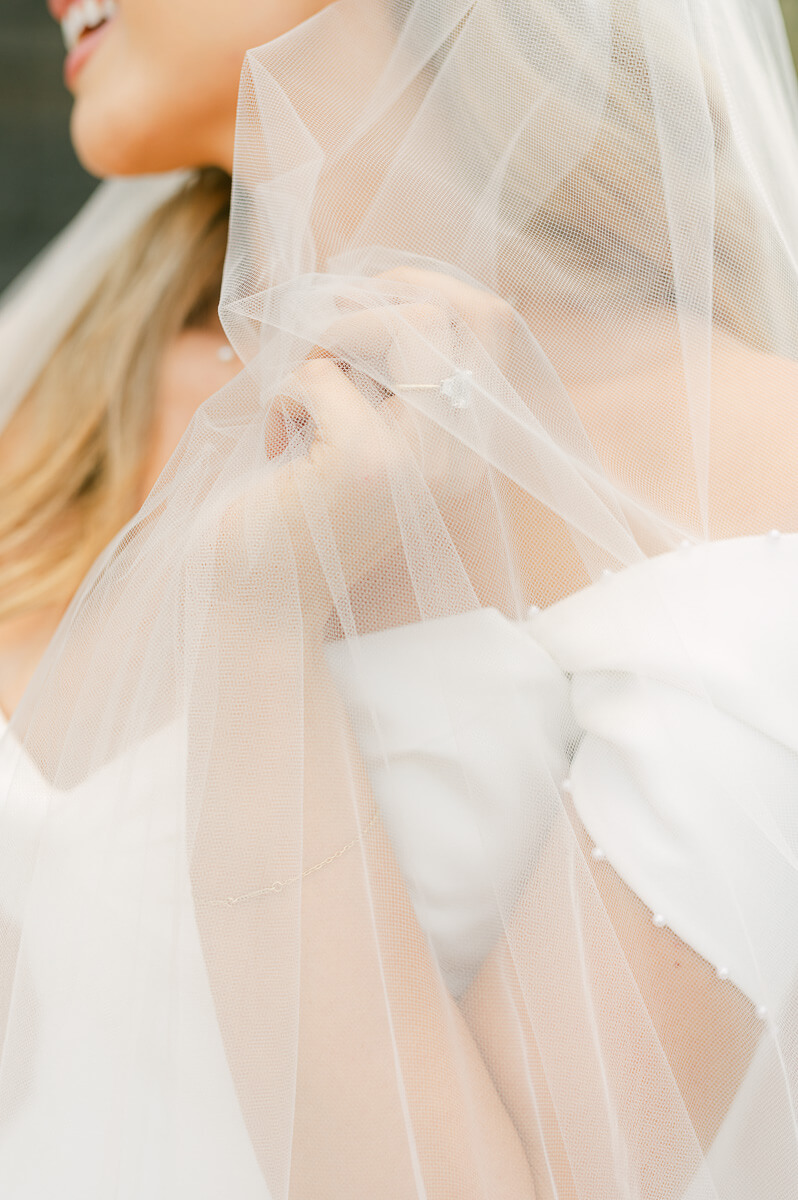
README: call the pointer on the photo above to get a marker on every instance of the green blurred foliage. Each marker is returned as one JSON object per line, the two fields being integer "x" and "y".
{"x": 790, "y": 10}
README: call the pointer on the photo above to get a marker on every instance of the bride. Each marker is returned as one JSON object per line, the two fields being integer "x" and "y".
{"x": 399, "y": 768}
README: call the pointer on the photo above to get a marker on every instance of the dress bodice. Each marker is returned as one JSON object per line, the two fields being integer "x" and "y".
{"x": 110, "y": 959}
{"x": 663, "y": 699}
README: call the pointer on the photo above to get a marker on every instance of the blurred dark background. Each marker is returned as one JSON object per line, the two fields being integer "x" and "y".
{"x": 42, "y": 184}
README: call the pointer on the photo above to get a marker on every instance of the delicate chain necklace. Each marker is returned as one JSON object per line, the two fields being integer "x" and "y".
{"x": 280, "y": 884}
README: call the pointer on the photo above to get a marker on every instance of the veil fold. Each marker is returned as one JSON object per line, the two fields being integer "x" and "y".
{"x": 407, "y": 804}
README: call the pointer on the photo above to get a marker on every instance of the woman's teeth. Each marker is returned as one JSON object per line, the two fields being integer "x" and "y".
{"x": 84, "y": 15}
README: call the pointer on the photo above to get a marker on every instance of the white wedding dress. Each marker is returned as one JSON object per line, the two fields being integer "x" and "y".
{"x": 682, "y": 790}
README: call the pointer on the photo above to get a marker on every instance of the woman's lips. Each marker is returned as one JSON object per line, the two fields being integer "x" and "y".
{"x": 78, "y": 54}
{"x": 58, "y": 8}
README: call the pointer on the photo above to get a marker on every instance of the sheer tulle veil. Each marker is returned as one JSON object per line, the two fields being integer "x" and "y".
{"x": 547, "y": 748}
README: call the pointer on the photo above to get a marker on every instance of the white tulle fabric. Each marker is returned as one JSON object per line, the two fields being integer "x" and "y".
{"x": 407, "y": 804}
{"x": 682, "y": 792}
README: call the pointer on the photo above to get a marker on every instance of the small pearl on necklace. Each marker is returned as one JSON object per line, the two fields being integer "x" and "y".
{"x": 598, "y": 854}
{"x": 723, "y": 972}
{"x": 774, "y": 535}
{"x": 659, "y": 920}
{"x": 567, "y": 787}
{"x": 762, "y": 1011}
{"x": 225, "y": 353}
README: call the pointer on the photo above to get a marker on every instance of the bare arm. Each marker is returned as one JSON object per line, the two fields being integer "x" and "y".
{"x": 360, "y": 943}
{"x": 356, "y": 1073}
{"x": 706, "y": 1029}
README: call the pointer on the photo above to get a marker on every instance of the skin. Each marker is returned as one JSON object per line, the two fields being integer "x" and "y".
{"x": 158, "y": 93}
{"x": 143, "y": 103}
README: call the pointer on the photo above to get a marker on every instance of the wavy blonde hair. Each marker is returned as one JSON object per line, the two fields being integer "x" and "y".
{"x": 77, "y": 444}
{"x": 75, "y": 449}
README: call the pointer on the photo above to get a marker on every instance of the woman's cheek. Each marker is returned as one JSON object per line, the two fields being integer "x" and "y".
{"x": 160, "y": 89}
{"x": 151, "y": 89}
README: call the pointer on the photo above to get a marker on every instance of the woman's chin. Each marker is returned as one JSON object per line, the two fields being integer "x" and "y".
{"x": 115, "y": 139}
{"x": 108, "y": 143}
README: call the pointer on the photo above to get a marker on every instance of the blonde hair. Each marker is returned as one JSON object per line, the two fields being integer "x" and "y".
{"x": 75, "y": 448}
{"x": 77, "y": 443}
